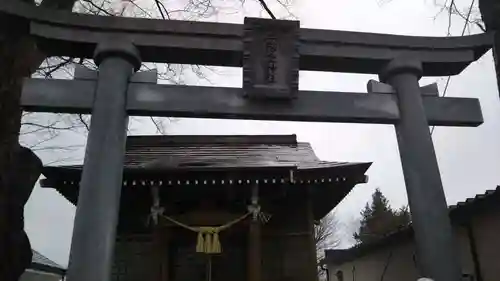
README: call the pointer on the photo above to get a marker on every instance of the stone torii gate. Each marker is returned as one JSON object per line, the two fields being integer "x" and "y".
{"x": 271, "y": 53}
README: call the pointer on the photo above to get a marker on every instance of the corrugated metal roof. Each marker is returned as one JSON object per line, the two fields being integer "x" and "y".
{"x": 478, "y": 199}
{"x": 42, "y": 260}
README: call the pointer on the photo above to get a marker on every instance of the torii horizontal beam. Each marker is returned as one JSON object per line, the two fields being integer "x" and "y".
{"x": 221, "y": 44}
{"x": 147, "y": 99}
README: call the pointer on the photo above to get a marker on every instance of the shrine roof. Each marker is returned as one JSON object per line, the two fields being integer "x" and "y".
{"x": 178, "y": 152}
{"x": 209, "y": 153}
{"x": 220, "y": 167}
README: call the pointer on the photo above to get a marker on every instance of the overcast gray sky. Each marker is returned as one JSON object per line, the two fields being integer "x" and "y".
{"x": 468, "y": 157}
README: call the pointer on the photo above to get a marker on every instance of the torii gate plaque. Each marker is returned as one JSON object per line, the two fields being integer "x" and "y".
{"x": 117, "y": 44}
{"x": 271, "y": 59}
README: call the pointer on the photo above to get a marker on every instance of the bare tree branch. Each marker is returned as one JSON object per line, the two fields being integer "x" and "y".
{"x": 162, "y": 9}
{"x": 148, "y": 14}
{"x": 159, "y": 125}
{"x": 450, "y": 14}
{"x": 84, "y": 122}
{"x": 60, "y": 160}
{"x": 49, "y": 126}
{"x": 264, "y": 5}
{"x": 452, "y": 8}
{"x": 470, "y": 15}
{"x": 99, "y": 8}
{"x": 286, "y": 4}
{"x": 64, "y": 63}
{"x": 325, "y": 237}
{"x": 56, "y": 147}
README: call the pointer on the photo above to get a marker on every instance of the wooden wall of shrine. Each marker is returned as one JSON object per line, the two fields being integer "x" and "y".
{"x": 287, "y": 251}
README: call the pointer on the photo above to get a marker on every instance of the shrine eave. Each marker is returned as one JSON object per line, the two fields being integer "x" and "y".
{"x": 328, "y": 184}
{"x": 326, "y": 173}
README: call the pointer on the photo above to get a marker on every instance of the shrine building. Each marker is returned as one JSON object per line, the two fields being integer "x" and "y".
{"x": 219, "y": 208}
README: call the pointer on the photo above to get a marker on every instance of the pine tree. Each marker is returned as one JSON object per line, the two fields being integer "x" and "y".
{"x": 378, "y": 219}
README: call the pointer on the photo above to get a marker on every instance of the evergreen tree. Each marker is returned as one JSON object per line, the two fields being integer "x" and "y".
{"x": 378, "y": 219}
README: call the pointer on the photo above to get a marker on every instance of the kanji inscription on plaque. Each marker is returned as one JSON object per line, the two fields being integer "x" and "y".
{"x": 270, "y": 58}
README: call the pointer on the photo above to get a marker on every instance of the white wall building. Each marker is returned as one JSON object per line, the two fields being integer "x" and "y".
{"x": 476, "y": 223}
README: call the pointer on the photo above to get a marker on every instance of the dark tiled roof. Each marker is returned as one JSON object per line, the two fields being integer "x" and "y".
{"x": 459, "y": 213}
{"x": 174, "y": 152}
{"x": 211, "y": 152}
{"x": 42, "y": 263}
{"x": 217, "y": 152}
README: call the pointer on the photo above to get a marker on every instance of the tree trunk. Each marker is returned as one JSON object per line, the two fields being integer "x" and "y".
{"x": 19, "y": 166}
{"x": 490, "y": 13}
{"x": 496, "y": 57}
{"x": 15, "y": 53}
{"x": 21, "y": 177}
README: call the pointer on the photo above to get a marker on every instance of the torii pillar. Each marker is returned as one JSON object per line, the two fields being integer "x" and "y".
{"x": 436, "y": 247}
{"x": 96, "y": 217}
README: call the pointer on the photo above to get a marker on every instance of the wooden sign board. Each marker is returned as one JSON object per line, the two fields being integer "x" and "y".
{"x": 271, "y": 58}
